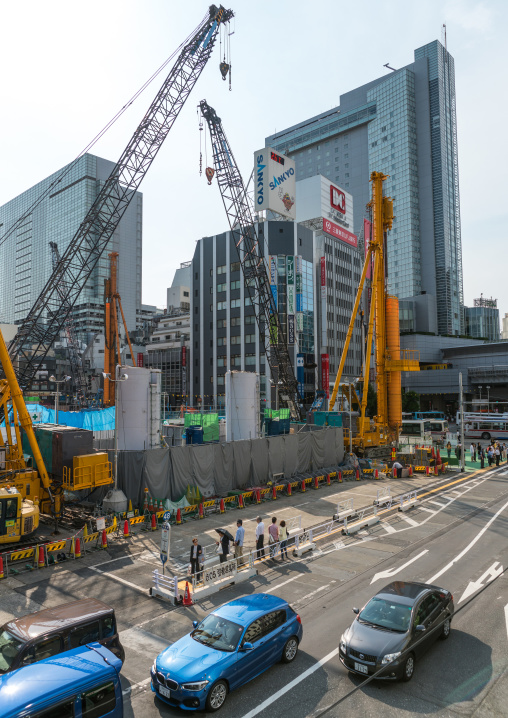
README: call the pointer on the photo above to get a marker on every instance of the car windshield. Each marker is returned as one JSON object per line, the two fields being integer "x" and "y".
{"x": 218, "y": 633}
{"x": 386, "y": 614}
{"x": 9, "y": 649}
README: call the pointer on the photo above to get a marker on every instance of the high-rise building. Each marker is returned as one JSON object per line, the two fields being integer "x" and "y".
{"x": 25, "y": 255}
{"x": 482, "y": 320}
{"x": 402, "y": 124}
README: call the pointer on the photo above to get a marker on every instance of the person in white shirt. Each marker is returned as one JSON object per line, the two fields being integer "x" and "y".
{"x": 260, "y": 538}
{"x": 472, "y": 450}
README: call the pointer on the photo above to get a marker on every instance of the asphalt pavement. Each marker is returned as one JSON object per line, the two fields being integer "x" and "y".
{"x": 456, "y": 538}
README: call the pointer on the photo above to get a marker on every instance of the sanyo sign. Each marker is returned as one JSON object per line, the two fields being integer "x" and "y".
{"x": 274, "y": 182}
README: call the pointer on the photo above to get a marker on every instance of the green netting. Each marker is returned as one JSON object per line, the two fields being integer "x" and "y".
{"x": 209, "y": 422}
{"x": 277, "y": 414}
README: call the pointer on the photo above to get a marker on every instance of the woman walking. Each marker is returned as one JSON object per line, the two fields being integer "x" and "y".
{"x": 283, "y": 537}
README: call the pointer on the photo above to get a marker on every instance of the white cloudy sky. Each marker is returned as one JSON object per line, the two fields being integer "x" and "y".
{"x": 68, "y": 67}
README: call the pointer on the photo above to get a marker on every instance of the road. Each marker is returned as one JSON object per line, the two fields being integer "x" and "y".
{"x": 457, "y": 537}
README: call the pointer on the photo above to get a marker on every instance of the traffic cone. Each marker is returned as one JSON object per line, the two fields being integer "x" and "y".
{"x": 77, "y": 548}
{"x": 289, "y": 489}
{"x": 438, "y": 457}
{"x": 328, "y": 481}
{"x": 222, "y": 507}
{"x": 150, "y": 505}
{"x": 129, "y": 507}
{"x": 41, "y": 562}
{"x": 178, "y": 517}
{"x": 240, "y": 501}
{"x": 436, "y": 470}
{"x": 303, "y": 487}
{"x": 339, "y": 477}
{"x": 376, "y": 474}
{"x": 274, "y": 493}
{"x": 432, "y": 454}
{"x": 1, "y": 567}
{"x": 201, "y": 512}
{"x": 85, "y": 531}
{"x": 258, "y": 496}
{"x": 394, "y": 473}
{"x": 187, "y": 597}
{"x": 154, "y": 522}
{"x": 115, "y": 524}
{"x": 410, "y": 471}
{"x": 427, "y": 470}
{"x": 145, "y": 501}
{"x": 316, "y": 482}
{"x": 126, "y": 533}
{"x": 358, "y": 474}
{"x": 104, "y": 539}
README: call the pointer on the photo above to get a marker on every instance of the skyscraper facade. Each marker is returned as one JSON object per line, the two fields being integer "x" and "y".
{"x": 402, "y": 124}
{"x": 25, "y": 255}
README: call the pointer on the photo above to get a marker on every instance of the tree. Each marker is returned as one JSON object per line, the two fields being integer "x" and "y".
{"x": 410, "y": 401}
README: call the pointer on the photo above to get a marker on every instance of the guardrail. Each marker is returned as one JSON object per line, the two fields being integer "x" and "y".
{"x": 407, "y": 501}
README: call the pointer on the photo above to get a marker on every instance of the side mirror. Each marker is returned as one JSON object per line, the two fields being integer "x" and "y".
{"x": 247, "y": 647}
{"x": 420, "y": 628}
{"x": 356, "y": 610}
{"x": 195, "y": 624}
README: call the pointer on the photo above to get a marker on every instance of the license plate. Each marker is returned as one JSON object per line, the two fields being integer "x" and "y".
{"x": 361, "y": 668}
{"x": 164, "y": 691}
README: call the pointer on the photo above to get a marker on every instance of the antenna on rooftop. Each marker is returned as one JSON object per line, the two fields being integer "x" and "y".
{"x": 443, "y": 35}
{"x": 390, "y": 68}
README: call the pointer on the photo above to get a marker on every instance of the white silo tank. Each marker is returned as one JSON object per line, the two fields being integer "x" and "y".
{"x": 242, "y": 405}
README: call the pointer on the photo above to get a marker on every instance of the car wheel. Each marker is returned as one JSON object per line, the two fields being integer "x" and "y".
{"x": 409, "y": 668}
{"x": 447, "y": 627}
{"x": 216, "y": 696}
{"x": 290, "y": 650}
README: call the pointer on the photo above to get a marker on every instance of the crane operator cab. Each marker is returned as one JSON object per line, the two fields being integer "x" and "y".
{"x": 19, "y": 517}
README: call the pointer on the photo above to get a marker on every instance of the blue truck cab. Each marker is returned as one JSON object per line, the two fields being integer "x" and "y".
{"x": 80, "y": 683}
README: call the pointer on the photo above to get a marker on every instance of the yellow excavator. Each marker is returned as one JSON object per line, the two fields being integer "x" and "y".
{"x": 25, "y": 491}
{"x": 383, "y": 429}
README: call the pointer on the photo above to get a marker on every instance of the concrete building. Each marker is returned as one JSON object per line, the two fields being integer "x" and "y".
{"x": 482, "y": 320}
{"x": 25, "y": 255}
{"x": 403, "y": 124}
{"x": 504, "y": 331}
{"x": 178, "y": 294}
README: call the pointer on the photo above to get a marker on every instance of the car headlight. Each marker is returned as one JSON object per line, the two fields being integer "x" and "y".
{"x": 197, "y": 686}
{"x": 343, "y": 644}
{"x": 390, "y": 657}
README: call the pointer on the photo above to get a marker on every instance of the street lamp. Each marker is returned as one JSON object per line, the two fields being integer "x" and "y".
{"x": 57, "y": 393}
{"x": 488, "y": 398}
{"x": 119, "y": 377}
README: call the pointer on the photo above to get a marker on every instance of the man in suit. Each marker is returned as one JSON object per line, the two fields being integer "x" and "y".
{"x": 196, "y": 558}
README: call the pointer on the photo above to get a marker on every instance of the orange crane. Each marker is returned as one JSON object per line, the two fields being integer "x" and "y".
{"x": 384, "y": 326}
{"x": 112, "y": 355}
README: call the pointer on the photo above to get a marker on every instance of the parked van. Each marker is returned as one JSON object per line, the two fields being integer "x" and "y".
{"x": 81, "y": 683}
{"x": 47, "y": 633}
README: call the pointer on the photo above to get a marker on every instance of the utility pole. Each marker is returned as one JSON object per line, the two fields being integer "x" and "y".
{"x": 463, "y": 451}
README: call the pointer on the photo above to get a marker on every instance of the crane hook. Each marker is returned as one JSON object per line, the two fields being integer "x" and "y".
{"x": 224, "y": 69}
{"x": 209, "y": 172}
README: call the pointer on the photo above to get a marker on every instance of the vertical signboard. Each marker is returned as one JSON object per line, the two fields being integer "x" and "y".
{"x": 300, "y": 377}
{"x": 299, "y": 321}
{"x": 273, "y": 276}
{"x": 184, "y": 371}
{"x": 325, "y": 374}
{"x": 290, "y": 294}
{"x": 323, "y": 278}
{"x": 274, "y": 182}
{"x": 140, "y": 361}
{"x": 291, "y": 328}
{"x": 299, "y": 284}
{"x": 274, "y": 332}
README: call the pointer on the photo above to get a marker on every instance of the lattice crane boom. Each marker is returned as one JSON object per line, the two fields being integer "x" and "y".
{"x": 241, "y": 222}
{"x": 46, "y": 319}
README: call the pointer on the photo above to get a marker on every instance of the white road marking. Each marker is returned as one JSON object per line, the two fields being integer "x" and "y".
{"x": 408, "y": 519}
{"x": 424, "y": 508}
{"x": 470, "y": 545}
{"x": 274, "y": 588}
{"x": 388, "y": 527}
{"x": 291, "y": 685}
{"x": 119, "y": 558}
{"x": 144, "y": 591}
{"x": 490, "y": 574}
{"x": 392, "y": 571}
{"x": 313, "y": 593}
{"x": 436, "y": 503}
{"x": 130, "y": 688}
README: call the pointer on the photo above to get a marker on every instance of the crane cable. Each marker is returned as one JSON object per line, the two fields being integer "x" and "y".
{"x": 68, "y": 168}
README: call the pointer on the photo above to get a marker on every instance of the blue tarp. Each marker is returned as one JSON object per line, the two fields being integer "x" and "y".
{"x": 96, "y": 420}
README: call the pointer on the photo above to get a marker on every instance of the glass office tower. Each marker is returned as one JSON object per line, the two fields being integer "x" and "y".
{"x": 25, "y": 256}
{"x": 402, "y": 124}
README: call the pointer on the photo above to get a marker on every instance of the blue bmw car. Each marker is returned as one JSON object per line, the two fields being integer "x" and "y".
{"x": 231, "y": 646}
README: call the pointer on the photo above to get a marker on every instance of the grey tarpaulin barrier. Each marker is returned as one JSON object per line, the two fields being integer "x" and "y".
{"x": 219, "y": 468}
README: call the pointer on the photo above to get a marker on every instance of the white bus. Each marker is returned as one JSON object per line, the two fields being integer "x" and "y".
{"x": 485, "y": 427}
{"x": 424, "y": 430}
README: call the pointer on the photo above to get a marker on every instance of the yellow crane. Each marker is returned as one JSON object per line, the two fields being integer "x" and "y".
{"x": 384, "y": 326}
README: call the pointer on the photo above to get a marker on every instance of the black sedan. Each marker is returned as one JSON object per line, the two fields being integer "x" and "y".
{"x": 395, "y": 628}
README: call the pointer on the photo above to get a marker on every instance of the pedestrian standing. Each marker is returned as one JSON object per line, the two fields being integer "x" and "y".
{"x": 196, "y": 558}
{"x": 239, "y": 538}
{"x": 458, "y": 451}
{"x": 497, "y": 454}
{"x": 490, "y": 454}
{"x": 283, "y": 537}
{"x": 260, "y": 538}
{"x": 472, "y": 451}
{"x": 481, "y": 456}
{"x": 273, "y": 539}
{"x": 223, "y": 548}
{"x": 449, "y": 449}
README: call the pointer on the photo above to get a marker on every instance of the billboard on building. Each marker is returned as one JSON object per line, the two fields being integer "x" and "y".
{"x": 290, "y": 278}
{"x": 325, "y": 374}
{"x": 300, "y": 376}
{"x": 291, "y": 328}
{"x": 319, "y": 197}
{"x": 323, "y": 277}
{"x": 274, "y": 182}
{"x": 340, "y": 233}
{"x": 299, "y": 284}
{"x": 184, "y": 371}
{"x": 273, "y": 276}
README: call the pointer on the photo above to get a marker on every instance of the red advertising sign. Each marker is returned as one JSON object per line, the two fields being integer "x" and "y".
{"x": 340, "y": 233}
{"x": 337, "y": 199}
{"x": 325, "y": 374}
{"x": 366, "y": 242}
{"x": 184, "y": 356}
{"x": 323, "y": 277}
{"x": 140, "y": 361}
